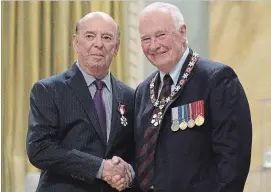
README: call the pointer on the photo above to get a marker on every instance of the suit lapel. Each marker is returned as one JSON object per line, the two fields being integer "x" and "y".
{"x": 75, "y": 80}
{"x": 149, "y": 106}
{"x": 115, "y": 118}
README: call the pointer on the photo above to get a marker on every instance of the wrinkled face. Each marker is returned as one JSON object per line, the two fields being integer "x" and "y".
{"x": 96, "y": 43}
{"x": 161, "y": 42}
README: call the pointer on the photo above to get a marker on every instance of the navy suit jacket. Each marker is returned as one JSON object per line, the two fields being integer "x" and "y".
{"x": 64, "y": 137}
{"x": 213, "y": 157}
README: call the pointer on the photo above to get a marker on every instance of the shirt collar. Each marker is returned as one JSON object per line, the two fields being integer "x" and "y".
{"x": 90, "y": 79}
{"x": 174, "y": 73}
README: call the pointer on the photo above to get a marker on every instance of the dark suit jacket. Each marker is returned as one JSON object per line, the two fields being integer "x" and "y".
{"x": 214, "y": 157}
{"x": 64, "y": 137}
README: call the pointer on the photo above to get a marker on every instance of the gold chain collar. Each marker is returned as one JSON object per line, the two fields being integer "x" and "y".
{"x": 161, "y": 104}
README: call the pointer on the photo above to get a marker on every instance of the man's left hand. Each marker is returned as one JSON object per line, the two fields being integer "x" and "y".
{"x": 118, "y": 182}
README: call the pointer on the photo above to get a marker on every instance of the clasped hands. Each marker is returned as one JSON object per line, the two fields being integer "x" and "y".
{"x": 116, "y": 172}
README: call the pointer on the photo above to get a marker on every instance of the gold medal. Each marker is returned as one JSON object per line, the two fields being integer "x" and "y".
{"x": 183, "y": 125}
{"x": 200, "y": 117}
{"x": 199, "y": 120}
{"x": 191, "y": 123}
{"x": 175, "y": 125}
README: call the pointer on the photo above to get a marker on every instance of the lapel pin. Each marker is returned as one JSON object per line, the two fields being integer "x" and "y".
{"x": 122, "y": 110}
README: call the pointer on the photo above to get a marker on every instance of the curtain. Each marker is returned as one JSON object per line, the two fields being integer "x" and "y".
{"x": 240, "y": 37}
{"x": 37, "y": 43}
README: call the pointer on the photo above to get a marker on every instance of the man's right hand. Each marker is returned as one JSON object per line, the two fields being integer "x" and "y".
{"x": 116, "y": 173}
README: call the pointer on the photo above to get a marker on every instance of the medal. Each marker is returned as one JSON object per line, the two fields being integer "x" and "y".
{"x": 123, "y": 120}
{"x": 156, "y": 118}
{"x": 200, "y": 117}
{"x": 199, "y": 120}
{"x": 183, "y": 124}
{"x": 175, "y": 119}
{"x": 175, "y": 125}
{"x": 191, "y": 122}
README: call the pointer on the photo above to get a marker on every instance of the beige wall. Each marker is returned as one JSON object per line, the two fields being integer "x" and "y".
{"x": 240, "y": 36}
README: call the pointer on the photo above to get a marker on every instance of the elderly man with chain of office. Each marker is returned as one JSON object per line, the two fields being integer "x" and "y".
{"x": 192, "y": 120}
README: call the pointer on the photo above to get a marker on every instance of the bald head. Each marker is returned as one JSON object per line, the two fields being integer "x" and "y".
{"x": 96, "y": 42}
{"x": 166, "y": 8}
{"x": 98, "y": 15}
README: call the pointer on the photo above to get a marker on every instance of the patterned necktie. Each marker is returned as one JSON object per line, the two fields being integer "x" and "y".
{"x": 99, "y": 105}
{"x": 146, "y": 152}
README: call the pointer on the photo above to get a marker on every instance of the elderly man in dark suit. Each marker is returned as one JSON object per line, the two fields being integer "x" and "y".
{"x": 82, "y": 118}
{"x": 192, "y": 119}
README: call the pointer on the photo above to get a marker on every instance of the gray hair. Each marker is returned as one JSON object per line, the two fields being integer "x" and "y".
{"x": 174, "y": 11}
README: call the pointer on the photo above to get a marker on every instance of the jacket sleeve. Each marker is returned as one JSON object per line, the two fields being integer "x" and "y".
{"x": 43, "y": 145}
{"x": 231, "y": 132}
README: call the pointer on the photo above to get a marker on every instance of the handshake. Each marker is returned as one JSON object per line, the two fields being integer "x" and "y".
{"x": 117, "y": 173}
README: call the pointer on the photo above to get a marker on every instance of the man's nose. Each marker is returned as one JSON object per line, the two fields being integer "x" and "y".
{"x": 154, "y": 45}
{"x": 98, "y": 42}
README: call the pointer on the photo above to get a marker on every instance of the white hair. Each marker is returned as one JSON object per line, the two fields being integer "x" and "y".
{"x": 174, "y": 11}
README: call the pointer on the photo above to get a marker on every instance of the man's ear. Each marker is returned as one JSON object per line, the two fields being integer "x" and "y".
{"x": 182, "y": 31}
{"x": 75, "y": 43}
{"x": 117, "y": 48}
